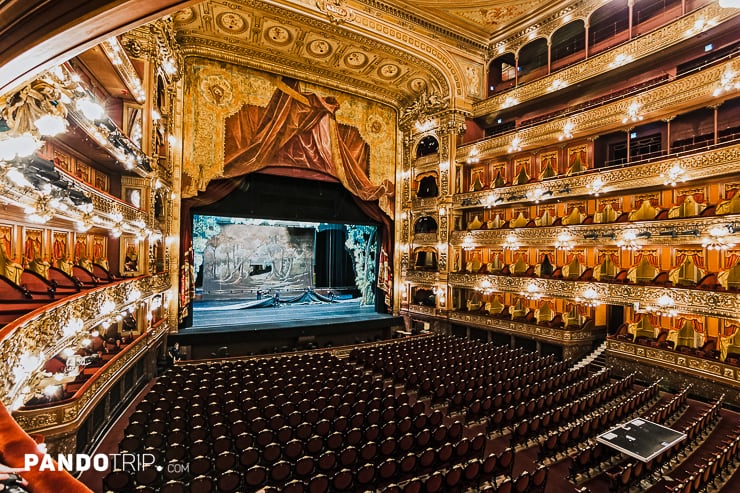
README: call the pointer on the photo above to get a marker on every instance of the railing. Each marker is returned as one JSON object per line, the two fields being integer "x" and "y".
{"x": 676, "y": 361}
{"x": 715, "y": 160}
{"x": 597, "y": 63}
{"x": 75, "y": 409}
{"x": 46, "y": 331}
{"x": 525, "y": 329}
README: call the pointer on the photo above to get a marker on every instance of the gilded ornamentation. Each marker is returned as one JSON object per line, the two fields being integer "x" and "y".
{"x": 422, "y": 277}
{"x": 276, "y": 34}
{"x": 678, "y": 362}
{"x": 725, "y": 160}
{"x": 691, "y": 301}
{"x": 425, "y": 105}
{"x": 44, "y": 332}
{"x": 640, "y": 47}
{"x": 55, "y": 416}
{"x": 336, "y": 10}
{"x": 517, "y": 328}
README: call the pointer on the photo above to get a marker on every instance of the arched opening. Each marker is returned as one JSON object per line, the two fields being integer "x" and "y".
{"x": 501, "y": 73}
{"x": 568, "y": 45}
{"x": 426, "y": 185}
{"x": 427, "y": 146}
{"x": 608, "y": 26}
{"x": 533, "y": 60}
{"x": 425, "y": 224}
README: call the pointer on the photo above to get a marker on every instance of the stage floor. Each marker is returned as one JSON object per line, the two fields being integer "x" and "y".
{"x": 217, "y": 316}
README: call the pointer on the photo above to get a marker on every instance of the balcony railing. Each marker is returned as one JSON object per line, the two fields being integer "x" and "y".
{"x": 46, "y": 331}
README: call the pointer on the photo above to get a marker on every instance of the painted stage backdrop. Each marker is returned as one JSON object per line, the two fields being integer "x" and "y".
{"x": 238, "y": 256}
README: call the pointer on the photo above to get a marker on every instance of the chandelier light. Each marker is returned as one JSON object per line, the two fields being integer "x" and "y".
{"x": 90, "y": 109}
{"x": 564, "y": 241}
{"x": 556, "y": 85}
{"x": 629, "y": 241}
{"x": 486, "y": 287}
{"x": 673, "y": 175}
{"x": 729, "y": 4}
{"x": 567, "y": 130}
{"x": 727, "y": 81}
{"x": 596, "y": 186}
{"x": 509, "y": 102}
{"x": 12, "y": 147}
{"x": 473, "y": 156}
{"x": 589, "y": 297}
{"x": 516, "y": 144}
{"x": 718, "y": 238}
{"x": 532, "y": 292}
{"x": 511, "y": 242}
{"x": 665, "y": 306}
{"x": 467, "y": 243}
{"x": 51, "y": 125}
{"x": 620, "y": 59}
{"x": 633, "y": 113}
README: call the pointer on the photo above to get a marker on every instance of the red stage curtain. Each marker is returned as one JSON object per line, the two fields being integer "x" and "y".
{"x": 300, "y": 131}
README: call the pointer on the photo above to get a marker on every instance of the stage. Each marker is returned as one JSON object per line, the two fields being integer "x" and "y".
{"x": 287, "y": 327}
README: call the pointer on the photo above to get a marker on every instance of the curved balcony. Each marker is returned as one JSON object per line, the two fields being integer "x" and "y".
{"x": 69, "y": 412}
{"x": 49, "y": 329}
{"x": 719, "y": 161}
{"x": 665, "y": 99}
{"x": 690, "y": 301}
{"x": 535, "y": 331}
{"x": 631, "y": 51}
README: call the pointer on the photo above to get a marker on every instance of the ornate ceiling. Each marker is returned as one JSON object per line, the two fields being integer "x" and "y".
{"x": 395, "y": 51}
{"x": 478, "y": 20}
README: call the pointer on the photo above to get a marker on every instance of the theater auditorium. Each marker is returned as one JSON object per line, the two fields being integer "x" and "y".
{"x": 403, "y": 246}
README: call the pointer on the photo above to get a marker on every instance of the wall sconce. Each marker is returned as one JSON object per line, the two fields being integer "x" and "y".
{"x": 596, "y": 186}
{"x": 532, "y": 292}
{"x": 629, "y": 240}
{"x": 467, "y": 243}
{"x": 509, "y": 102}
{"x": 442, "y": 212}
{"x": 589, "y": 297}
{"x": 564, "y": 241}
{"x": 620, "y": 59}
{"x": 511, "y": 242}
{"x": 567, "y": 130}
{"x": 444, "y": 166}
{"x": 673, "y": 175}
{"x": 556, "y": 85}
{"x": 633, "y": 113}
{"x": 718, "y": 238}
{"x": 486, "y": 287}
{"x": 727, "y": 81}
{"x": 516, "y": 144}
{"x": 473, "y": 156}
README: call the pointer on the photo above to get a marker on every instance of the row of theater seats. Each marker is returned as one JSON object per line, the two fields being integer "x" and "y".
{"x": 264, "y": 422}
{"x": 713, "y": 470}
{"x": 592, "y": 454}
{"x": 630, "y": 473}
{"x": 32, "y": 290}
{"x": 560, "y": 441}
